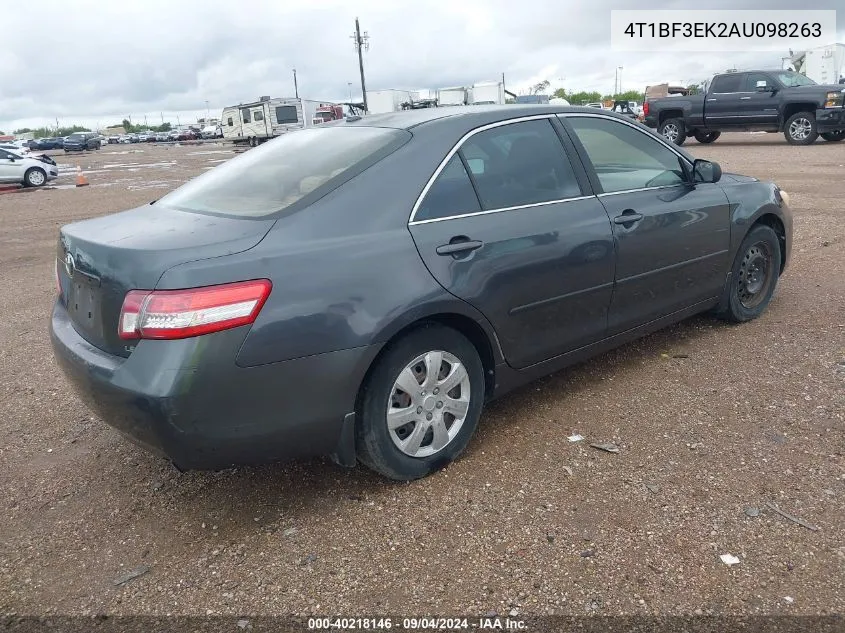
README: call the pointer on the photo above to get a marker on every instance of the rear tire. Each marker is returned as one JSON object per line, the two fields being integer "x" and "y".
{"x": 800, "y": 129}
{"x": 706, "y": 137}
{"x": 833, "y": 137}
{"x": 34, "y": 177}
{"x": 754, "y": 275}
{"x": 673, "y": 130}
{"x": 424, "y": 436}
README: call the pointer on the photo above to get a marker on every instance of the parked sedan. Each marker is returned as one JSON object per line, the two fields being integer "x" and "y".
{"x": 361, "y": 291}
{"x": 28, "y": 170}
{"x": 162, "y": 137}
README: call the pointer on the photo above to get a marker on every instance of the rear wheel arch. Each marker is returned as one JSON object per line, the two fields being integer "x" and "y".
{"x": 669, "y": 114}
{"x": 463, "y": 324}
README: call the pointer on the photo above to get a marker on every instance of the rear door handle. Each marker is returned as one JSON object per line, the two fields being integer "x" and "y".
{"x": 744, "y": 98}
{"x": 458, "y": 245}
{"x": 711, "y": 99}
{"x": 628, "y": 216}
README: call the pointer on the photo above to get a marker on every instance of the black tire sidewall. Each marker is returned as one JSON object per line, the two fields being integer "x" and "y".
{"x": 814, "y": 134}
{"x": 707, "y": 137}
{"x": 682, "y": 131}
{"x": 735, "y": 310}
{"x": 373, "y": 442}
{"x": 833, "y": 137}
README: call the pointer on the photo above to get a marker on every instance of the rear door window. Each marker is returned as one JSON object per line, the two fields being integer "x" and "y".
{"x": 301, "y": 165}
{"x": 520, "y": 164}
{"x": 732, "y": 82}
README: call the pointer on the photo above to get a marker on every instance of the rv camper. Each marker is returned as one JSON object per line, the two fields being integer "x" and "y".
{"x": 266, "y": 118}
{"x": 384, "y": 101}
{"x": 487, "y": 92}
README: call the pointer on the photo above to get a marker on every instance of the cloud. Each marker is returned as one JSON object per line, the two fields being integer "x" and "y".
{"x": 101, "y": 59}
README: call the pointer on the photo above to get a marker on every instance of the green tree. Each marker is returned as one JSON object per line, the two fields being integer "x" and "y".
{"x": 693, "y": 89}
{"x": 582, "y": 98}
{"x": 631, "y": 95}
{"x": 560, "y": 93}
{"x": 23, "y": 130}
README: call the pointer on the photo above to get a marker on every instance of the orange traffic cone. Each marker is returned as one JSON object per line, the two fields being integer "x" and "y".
{"x": 81, "y": 180}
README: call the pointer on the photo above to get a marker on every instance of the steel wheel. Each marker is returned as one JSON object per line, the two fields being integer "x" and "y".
{"x": 800, "y": 128}
{"x": 428, "y": 404}
{"x": 755, "y": 275}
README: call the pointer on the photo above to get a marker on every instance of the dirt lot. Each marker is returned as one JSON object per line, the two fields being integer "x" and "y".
{"x": 711, "y": 420}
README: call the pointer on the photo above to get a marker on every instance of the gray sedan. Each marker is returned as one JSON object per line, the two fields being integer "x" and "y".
{"x": 363, "y": 288}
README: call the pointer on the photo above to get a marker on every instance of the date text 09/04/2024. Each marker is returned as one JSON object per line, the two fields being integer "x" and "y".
{"x": 725, "y": 30}
{"x": 416, "y": 624}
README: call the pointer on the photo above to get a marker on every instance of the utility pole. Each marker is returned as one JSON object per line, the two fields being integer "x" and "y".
{"x": 617, "y": 84}
{"x": 162, "y": 117}
{"x": 349, "y": 84}
{"x": 362, "y": 43}
{"x": 295, "y": 87}
{"x": 145, "y": 121}
{"x": 207, "y": 115}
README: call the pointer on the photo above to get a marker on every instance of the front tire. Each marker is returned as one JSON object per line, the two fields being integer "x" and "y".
{"x": 34, "y": 177}
{"x": 754, "y": 276}
{"x": 833, "y": 137}
{"x": 421, "y": 404}
{"x": 800, "y": 129}
{"x": 706, "y": 137}
{"x": 673, "y": 130}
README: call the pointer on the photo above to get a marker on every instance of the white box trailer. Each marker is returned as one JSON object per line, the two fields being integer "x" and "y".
{"x": 261, "y": 120}
{"x": 826, "y": 64}
{"x": 452, "y": 96}
{"x": 487, "y": 92}
{"x": 390, "y": 100}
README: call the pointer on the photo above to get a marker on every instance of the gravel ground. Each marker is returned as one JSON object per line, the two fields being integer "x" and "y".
{"x": 711, "y": 419}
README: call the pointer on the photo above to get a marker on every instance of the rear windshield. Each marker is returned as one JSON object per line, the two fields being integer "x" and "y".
{"x": 277, "y": 174}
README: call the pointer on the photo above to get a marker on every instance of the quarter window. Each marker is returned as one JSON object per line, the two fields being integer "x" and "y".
{"x": 625, "y": 158}
{"x": 451, "y": 194}
{"x": 519, "y": 164}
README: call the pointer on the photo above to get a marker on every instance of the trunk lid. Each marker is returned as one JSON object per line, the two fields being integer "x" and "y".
{"x": 101, "y": 259}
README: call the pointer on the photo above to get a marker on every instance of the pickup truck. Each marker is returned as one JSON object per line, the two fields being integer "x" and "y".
{"x": 764, "y": 100}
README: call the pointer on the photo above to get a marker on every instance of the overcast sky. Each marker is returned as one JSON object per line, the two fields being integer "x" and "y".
{"x": 98, "y": 61}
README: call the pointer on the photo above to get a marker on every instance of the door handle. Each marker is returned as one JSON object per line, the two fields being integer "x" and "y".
{"x": 458, "y": 245}
{"x": 744, "y": 98}
{"x": 629, "y": 216}
{"x": 711, "y": 99}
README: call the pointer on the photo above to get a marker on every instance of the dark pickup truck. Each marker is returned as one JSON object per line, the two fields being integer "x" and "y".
{"x": 769, "y": 101}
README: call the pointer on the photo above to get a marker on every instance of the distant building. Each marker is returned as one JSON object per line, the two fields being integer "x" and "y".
{"x": 532, "y": 99}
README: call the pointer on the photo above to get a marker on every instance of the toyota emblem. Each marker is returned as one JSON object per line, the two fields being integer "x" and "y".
{"x": 69, "y": 264}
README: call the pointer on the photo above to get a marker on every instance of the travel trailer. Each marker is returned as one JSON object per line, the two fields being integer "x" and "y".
{"x": 266, "y": 118}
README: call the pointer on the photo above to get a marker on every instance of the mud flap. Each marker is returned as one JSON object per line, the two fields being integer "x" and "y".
{"x": 344, "y": 454}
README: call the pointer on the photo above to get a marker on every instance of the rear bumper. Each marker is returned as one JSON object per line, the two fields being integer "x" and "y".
{"x": 188, "y": 401}
{"x": 830, "y": 119}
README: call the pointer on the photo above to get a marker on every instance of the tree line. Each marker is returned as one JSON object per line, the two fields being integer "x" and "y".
{"x": 50, "y": 132}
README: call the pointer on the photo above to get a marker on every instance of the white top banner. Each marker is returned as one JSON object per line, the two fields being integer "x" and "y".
{"x": 721, "y": 30}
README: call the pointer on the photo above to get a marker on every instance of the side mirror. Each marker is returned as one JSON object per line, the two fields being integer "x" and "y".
{"x": 705, "y": 171}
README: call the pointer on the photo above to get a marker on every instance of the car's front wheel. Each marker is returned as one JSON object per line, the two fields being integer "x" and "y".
{"x": 754, "y": 276}
{"x": 833, "y": 137}
{"x": 34, "y": 177}
{"x": 800, "y": 129}
{"x": 421, "y": 403}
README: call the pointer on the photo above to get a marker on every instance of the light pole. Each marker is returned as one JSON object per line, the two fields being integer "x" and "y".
{"x": 362, "y": 43}
{"x": 349, "y": 85}
{"x": 206, "y": 112}
{"x": 617, "y": 84}
{"x": 295, "y": 87}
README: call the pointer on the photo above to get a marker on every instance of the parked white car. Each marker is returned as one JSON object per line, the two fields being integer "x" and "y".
{"x": 28, "y": 170}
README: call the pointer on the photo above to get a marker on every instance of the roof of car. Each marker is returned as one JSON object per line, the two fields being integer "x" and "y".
{"x": 408, "y": 119}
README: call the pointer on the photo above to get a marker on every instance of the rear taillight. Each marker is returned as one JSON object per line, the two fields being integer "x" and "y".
{"x": 173, "y": 314}
{"x": 645, "y": 108}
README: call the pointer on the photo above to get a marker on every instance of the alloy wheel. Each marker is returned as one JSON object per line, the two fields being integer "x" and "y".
{"x": 670, "y": 132}
{"x": 800, "y": 128}
{"x": 428, "y": 403}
